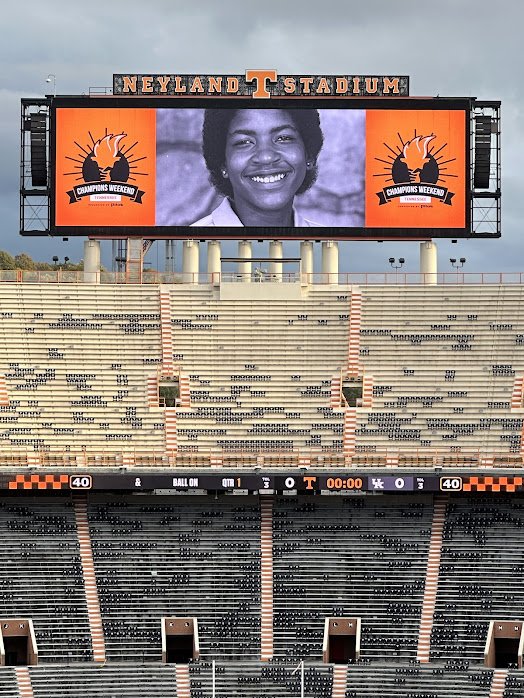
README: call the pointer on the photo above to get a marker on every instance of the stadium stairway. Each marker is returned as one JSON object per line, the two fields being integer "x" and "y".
{"x": 23, "y": 679}
{"x": 498, "y": 684}
{"x": 91, "y": 591}
{"x": 340, "y": 678}
{"x": 166, "y": 331}
{"x": 266, "y": 565}
{"x": 432, "y": 574}
{"x": 182, "y": 681}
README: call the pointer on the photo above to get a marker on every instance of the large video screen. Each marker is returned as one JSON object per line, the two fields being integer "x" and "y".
{"x": 351, "y": 170}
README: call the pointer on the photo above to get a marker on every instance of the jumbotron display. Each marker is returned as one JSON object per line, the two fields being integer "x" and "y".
{"x": 296, "y": 167}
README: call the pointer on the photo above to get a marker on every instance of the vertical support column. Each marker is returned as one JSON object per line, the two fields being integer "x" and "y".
{"x": 275, "y": 253}
{"x": 330, "y": 262}
{"x": 190, "y": 261}
{"x": 245, "y": 251}
{"x": 134, "y": 260}
{"x": 169, "y": 261}
{"x": 428, "y": 262}
{"x": 306, "y": 261}
{"x": 213, "y": 261}
{"x": 92, "y": 262}
{"x": 266, "y": 571}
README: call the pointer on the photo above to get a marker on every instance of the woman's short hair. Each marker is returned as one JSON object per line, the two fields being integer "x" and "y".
{"x": 214, "y": 139}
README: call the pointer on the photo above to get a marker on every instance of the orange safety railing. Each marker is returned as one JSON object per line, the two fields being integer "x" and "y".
{"x": 64, "y": 276}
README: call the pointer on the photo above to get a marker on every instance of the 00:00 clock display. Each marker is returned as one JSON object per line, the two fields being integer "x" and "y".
{"x": 338, "y": 483}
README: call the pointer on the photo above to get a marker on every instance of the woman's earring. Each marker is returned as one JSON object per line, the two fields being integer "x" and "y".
{"x": 224, "y": 173}
{"x": 309, "y": 164}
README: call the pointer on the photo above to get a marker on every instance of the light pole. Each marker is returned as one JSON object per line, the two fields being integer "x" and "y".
{"x": 457, "y": 265}
{"x": 396, "y": 266}
{"x": 301, "y": 667}
{"x": 52, "y": 78}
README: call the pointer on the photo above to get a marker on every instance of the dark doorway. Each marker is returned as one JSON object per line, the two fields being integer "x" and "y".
{"x": 342, "y": 648}
{"x": 179, "y": 649}
{"x": 506, "y": 652}
{"x": 15, "y": 651}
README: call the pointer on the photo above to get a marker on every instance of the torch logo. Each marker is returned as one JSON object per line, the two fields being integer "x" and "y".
{"x": 416, "y": 171}
{"x": 106, "y": 169}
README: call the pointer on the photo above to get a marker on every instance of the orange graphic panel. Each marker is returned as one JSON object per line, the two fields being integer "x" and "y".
{"x": 415, "y": 168}
{"x": 105, "y": 167}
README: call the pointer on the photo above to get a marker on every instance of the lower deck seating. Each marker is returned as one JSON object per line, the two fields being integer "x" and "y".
{"x": 177, "y": 556}
{"x": 115, "y": 681}
{"x": 481, "y": 573}
{"x": 8, "y": 683}
{"x": 268, "y": 679}
{"x": 353, "y": 557}
{"x": 41, "y": 575}
{"x": 451, "y": 680}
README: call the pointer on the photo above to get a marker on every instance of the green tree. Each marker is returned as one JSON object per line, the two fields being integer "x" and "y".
{"x": 24, "y": 261}
{"x": 6, "y": 260}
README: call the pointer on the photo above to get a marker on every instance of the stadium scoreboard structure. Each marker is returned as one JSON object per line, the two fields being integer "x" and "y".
{"x": 134, "y": 162}
{"x": 303, "y": 483}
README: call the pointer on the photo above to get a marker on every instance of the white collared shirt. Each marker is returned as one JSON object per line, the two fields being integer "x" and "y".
{"x": 225, "y": 217}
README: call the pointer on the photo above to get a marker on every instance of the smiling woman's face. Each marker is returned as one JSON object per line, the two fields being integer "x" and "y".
{"x": 265, "y": 161}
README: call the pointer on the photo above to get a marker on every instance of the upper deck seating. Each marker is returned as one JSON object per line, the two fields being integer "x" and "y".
{"x": 444, "y": 360}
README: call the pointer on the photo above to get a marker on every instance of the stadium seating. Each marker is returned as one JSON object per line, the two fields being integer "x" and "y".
{"x": 41, "y": 575}
{"x": 107, "y": 681}
{"x": 80, "y": 366}
{"x": 347, "y": 557}
{"x": 444, "y": 361}
{"x": 481, "y": 574}
{"x": 187, "y": 557}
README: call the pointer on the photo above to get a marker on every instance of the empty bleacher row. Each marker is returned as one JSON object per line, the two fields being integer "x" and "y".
{"x": 79, "y": 363}
{"x": 41, "y": 575}
{"x": 260, "y": 370}
{"x": 76, "y": 361}
{"x": 352, "y": 557}
{"x": 269, "y": 679}
{"x": 160, "y": 557}
{"x": 481, "y": 574}
{"x": 444, "y": 361}
{"x": 104, "y": 681}
{"x": 8, "y": 683}
{"x": 196, "y": 557}
{"x": 448, "y": 680}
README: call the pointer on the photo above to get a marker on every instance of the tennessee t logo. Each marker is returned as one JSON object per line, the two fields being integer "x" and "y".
{"x": 261, "y": 77}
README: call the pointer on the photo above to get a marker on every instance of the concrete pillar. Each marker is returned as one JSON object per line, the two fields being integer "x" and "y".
{"x": 276, "y": 253}
{"x": 428, "y": 262}
{"x": 213, "y": 260}
{"x": 92, "y": 262}
{"x": 190, "y": 259}
{"x": 306, "y": 261}
{"x": 245, "y": 251}
{"x": 330, "y": 262}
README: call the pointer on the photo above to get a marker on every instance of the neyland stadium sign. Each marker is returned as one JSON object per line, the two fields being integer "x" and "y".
{"x": 260, "y": 84}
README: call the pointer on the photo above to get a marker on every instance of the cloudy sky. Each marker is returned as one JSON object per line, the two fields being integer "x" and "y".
{"x": 449, "y": 48}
